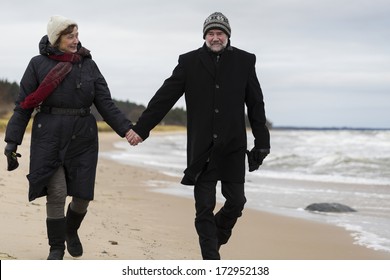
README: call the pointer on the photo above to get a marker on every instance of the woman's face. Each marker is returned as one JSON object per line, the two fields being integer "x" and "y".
{"x": 69, "y": 42}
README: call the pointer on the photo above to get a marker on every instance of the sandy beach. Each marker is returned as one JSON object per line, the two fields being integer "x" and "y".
{"x": 129, "y": 221}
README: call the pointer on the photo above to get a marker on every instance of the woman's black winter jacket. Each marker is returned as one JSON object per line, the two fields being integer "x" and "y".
{"x": 64, "y": 140}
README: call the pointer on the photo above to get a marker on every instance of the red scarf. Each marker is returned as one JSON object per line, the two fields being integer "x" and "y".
{"x": 55, "y": 76}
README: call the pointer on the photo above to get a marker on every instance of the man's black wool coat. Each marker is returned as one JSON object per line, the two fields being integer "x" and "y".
{"x": 216, "y": 93}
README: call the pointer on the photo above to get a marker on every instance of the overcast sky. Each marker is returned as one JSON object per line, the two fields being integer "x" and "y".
{"x": 319, "y": 62}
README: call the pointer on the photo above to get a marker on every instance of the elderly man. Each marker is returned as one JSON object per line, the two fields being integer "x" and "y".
{"x": 218, "y": 81}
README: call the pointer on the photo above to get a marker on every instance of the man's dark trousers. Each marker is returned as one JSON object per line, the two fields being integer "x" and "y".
{"x": 215, "y": 230}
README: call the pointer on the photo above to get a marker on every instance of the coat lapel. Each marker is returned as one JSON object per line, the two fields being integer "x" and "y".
{"x": 207, "y": 61}
{"x": 226, "y": 61}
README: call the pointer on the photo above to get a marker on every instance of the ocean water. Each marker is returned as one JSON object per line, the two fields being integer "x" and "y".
{"x": 351, "y": 167}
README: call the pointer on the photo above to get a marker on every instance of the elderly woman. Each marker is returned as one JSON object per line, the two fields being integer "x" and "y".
{"x": 61, "y": 84}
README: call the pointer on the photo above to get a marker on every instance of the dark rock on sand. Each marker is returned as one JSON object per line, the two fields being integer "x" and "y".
{"x": 329, "y": 207}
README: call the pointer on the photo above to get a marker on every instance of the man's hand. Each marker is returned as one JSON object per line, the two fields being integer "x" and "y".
{"x": 133, "y": 138}
{"x": 256, "y": 157}
{"x": 12, "y": 156}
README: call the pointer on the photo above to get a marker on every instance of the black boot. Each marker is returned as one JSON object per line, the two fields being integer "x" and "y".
{"x": 73, "y": 222}
{"x": 56, "y": 235}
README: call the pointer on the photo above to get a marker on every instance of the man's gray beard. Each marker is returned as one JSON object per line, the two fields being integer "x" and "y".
{"x": 223, "y": 47}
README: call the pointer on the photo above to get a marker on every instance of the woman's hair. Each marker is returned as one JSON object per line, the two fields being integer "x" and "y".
{"x": 66, "y": 31}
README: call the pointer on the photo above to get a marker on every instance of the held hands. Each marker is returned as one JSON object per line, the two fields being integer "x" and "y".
{"x": 133, "y": 138}
{"x": 256, "y": 157}
{"x": 12, "y": 156}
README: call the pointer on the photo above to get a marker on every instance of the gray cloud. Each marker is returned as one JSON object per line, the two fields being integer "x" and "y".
{"x": 320, "y": 63}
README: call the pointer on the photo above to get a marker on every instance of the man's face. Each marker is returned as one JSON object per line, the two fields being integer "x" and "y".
{"x": 216, "y": 40}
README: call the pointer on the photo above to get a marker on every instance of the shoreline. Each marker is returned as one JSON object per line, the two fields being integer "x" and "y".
{"x": 129, "y": 221}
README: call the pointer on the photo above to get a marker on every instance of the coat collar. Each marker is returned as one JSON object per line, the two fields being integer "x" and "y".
{"x": 207, "y": 61}
{"x": 45, "y": 48}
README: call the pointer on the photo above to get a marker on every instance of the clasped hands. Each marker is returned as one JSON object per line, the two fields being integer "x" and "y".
{"x": 133, "y": 138}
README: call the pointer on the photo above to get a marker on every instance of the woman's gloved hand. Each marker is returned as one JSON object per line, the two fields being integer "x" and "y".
{"x": 12, "y": 156}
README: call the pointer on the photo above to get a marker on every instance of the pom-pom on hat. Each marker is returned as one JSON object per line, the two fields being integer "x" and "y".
{"x": 216, "y": 21}
{"x": 56, "y": 25}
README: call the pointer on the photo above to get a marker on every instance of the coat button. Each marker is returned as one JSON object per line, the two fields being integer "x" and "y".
{"x": 216, "y": 86}
{"x": 216, "y": 111}
{"x": 215, "y": 136}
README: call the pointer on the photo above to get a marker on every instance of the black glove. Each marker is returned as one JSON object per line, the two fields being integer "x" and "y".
{"x": 12, "y": 156}
{"x": 256, "y": 157}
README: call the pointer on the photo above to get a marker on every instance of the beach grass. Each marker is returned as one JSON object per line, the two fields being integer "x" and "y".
{"x": 104, "y": 127}
{"x": 3, "y": 124}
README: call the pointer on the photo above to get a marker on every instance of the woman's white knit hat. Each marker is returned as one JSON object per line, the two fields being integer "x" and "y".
{"x": 56, "y": 25}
